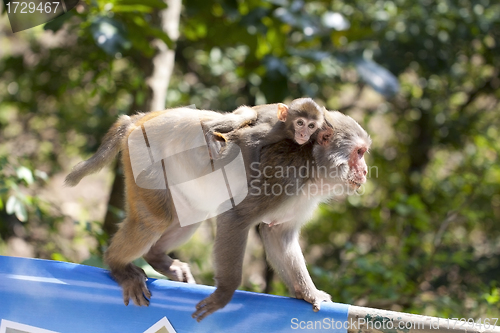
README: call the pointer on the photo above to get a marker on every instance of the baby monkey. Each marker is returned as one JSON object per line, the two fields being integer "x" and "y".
{"x": 262, "y": 125}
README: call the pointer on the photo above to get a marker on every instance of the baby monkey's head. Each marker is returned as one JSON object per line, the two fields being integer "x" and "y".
{"x": 302, "y": 118}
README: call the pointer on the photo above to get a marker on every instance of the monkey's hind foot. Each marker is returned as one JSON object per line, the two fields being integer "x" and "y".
{"x": 177, "y": 271}
{"x": 212, "y": 303}
{"x": 132, "y": 279}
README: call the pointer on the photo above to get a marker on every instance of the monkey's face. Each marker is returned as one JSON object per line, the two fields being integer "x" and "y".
{"x": 357, "y": 166}
{"x": 304, "y": 128}
{"x": 344, "y": 144}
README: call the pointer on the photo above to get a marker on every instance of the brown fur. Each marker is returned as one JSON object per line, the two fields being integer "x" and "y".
{"x": 151, "y": 228}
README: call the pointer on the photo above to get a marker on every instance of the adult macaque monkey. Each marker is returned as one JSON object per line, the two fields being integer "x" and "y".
{"x": 152, "y": 226}
{"x": 269, "y": 124}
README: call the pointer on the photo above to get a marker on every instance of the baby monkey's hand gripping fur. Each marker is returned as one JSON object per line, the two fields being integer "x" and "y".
{"x": 266, "y": 124}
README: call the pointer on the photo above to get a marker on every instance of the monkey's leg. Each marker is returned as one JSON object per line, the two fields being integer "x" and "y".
{"x": 157, "y": 257}
{"x": 283, "y": 251}
{"x": 229, "y": 250}
{"x": 130, "y": 242}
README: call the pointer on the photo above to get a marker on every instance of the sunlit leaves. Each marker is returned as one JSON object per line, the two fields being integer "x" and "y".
{"x": 25, "y": 174}
{"x": 17, "y": 202}
{"x": 335, "y": 21}
{"x": 493, "y": 297}
{"x": 17, "y": 206}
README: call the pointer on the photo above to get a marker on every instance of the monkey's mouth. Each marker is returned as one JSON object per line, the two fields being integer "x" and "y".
{"x": 354, "y": 184}
{"x": 300, "y": 141}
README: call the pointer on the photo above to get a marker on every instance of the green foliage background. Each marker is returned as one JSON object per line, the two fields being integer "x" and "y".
{"x": 421, "y": 76}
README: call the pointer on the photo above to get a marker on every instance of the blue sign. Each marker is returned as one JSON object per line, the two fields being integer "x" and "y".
{"x": 41, "y": 296}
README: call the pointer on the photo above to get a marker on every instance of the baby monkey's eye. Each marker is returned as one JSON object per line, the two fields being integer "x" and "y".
{"x": 312, "y": 125}
{"x": 300, "y": 122}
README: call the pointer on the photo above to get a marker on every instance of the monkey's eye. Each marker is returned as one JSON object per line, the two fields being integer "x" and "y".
{"x": 361, "y": 152}
{"x": 300, "y": 122}
{"x": 312, "y": 126}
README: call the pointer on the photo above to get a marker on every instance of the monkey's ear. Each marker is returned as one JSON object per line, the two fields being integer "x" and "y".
{"x": 282, "y": 112}
{"x": 216, "y": 143}
{"x": 325, "y": 135}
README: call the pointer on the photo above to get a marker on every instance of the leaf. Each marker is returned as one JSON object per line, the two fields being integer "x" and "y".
{"x": 11, "y": 203}
{"x": 379, "y": 78}
{"x": 58, "y": 22}
{"x": 494, "y": 297}
{"x": 21, "y": 213}
{"x": 132, "y": 9}
{"x": 109, "y": 35}
{"x": 58, "y": 256}
{"x": 163, "y": 36}
{"x": 402, "y": 210}
{"x": 26, "y": 174}
{"x": 145, "y": 27}
{"x": 17, "y": 207}
{"x": 310, "y": 54}
{"x": 41, "y": 174}
{"x": 286, "y": 16}
{"x": 335, "y": 21}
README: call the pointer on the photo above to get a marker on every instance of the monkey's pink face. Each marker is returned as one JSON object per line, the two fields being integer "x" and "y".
{"x": 357, "y": 166}
{"x": 304, "y": 128}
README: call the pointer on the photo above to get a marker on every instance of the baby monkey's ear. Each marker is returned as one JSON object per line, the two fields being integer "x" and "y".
{"x": 325, "y": 135}
{"x": 282, "y": 112}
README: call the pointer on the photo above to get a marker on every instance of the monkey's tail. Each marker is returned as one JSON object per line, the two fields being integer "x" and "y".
{"x": 110, "y": 147}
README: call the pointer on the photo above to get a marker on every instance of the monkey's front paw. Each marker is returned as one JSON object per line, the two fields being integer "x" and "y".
{"x": 179, "y": 271}
{"x": 315, "y": 297}
{"x": 212, "y": 303}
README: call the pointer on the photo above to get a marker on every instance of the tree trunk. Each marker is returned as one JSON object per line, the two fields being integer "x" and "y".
{"x": 163, "y": 62}
{"x": 159, "y": 74}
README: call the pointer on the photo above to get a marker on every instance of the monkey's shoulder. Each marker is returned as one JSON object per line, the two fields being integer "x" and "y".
{"x": 266, "y": 117}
